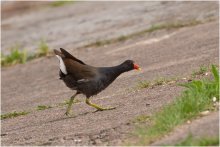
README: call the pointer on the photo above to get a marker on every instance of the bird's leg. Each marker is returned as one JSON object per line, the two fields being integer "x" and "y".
{"x": 70, "y": 104}
{"x": 97, "y": 107}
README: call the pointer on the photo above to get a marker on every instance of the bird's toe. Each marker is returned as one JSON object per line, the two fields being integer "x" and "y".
{"x": 109, "y": 108}
{"x": 68, "y": 114}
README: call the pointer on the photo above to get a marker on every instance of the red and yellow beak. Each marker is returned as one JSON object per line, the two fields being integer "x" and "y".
{"x": 137, "y": 67}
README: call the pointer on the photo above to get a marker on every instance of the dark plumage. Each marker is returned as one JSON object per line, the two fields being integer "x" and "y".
{"x": 86, "y": 79}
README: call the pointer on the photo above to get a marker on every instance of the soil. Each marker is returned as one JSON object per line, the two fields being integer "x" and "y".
{"x": 163, "y": 53}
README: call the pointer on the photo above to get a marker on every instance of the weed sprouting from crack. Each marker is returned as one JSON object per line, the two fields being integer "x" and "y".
{"x": 60, "y": 3}
{"x": 20, "y": 56}
{"x": 13, "y": 114}
{"x": 43, "y": 107}
{"x": 43, "y": 49}
{"x": 143, "y": 84}
{"x": 202, "y": 70}
{"x": 16, "y": 56}
{"x": 157, "y": 82}
{"x": 141, "y": 118}
{"x": 66, "y": 102}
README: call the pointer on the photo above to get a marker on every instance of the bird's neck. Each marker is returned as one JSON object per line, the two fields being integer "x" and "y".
{"x": 119, "y": 69}
{"x": 111, "y": 73}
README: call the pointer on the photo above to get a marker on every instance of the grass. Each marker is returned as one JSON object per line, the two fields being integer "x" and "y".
{"x": 16, "y": 56}
{"x": 143, "y": 84}
{"x": 174, "y": 25}
{"x": 60, "y": 3}
{"x": 43, "y": 107}
{"x": 38, "y": 108}
{"x": 196, "y": 98}
{"x": 156, "y": 27}
{"x": 156, "y": 82}
{"x": 190, "y": 141}
{"x": 13, "y": 114}
{"x": 202, "y": 70}
{"x": 20, "y": 56}
{"x": 161, "y": 81}
{"x": 141, "y": 118}
{"x": 43, "y": 49}
{"x": 66, "y": 102}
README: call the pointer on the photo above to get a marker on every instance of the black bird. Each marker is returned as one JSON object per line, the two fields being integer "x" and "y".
{"x": 86, "y": 79}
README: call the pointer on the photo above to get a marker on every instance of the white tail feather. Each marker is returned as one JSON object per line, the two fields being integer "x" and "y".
{"x": 62, "y": 65}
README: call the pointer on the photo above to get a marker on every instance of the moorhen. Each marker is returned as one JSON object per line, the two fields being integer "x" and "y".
{"x": 86, "y": 79}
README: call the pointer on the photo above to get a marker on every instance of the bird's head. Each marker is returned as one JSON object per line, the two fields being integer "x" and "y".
{"x": 130, "y": 65}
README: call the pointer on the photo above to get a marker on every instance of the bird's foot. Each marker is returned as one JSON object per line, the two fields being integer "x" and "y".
{"x": 68, "y": 114}
{"x": 98, "y": 107}
{"x": 102, "y": 109}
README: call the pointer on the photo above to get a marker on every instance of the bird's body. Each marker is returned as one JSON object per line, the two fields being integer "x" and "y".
{"x": 86, "y": 79}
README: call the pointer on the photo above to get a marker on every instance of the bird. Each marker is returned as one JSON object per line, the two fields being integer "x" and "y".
{"x": 86, "y": 79}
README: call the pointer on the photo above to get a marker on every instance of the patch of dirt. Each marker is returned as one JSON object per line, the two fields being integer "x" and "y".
{"x": 24, "y": 87}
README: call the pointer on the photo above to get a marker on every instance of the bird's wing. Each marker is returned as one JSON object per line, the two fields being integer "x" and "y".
{"x": 80, "y": 71}
{"x": 83, "y": 81}
{"x": 68, "y": 55}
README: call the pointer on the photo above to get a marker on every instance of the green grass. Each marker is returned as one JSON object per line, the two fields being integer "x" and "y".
{"x": 66, "y": 102}
{"x": 43, "y": 49}
{"x": 160, "y": 81}
{"x": 16, "y": 56}
{"x": 43, "y": 107}
{"x": 202, "y": 70}
{"x": 143, "y": 84}
{"x": 38, "y": 108}
{"x": 174, "y": 25}
{"x": 196, "y": 98}
{"x": 123, "y": 38}
{"x": 204, "y": 141}
{"x": 20, "y": 56}
{"x": 60, "y": 3}
{"x": 157, "y": 82}
{"x": 13, "y": 114}
{"x": 141, "y": 118}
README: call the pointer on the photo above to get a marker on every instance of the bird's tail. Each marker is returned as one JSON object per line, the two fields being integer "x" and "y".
{"x": 58, "y": 53}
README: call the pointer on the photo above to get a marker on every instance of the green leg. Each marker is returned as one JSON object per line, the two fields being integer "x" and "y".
{"x": 70, "y": 104}
{"x": 97, "y": 107}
